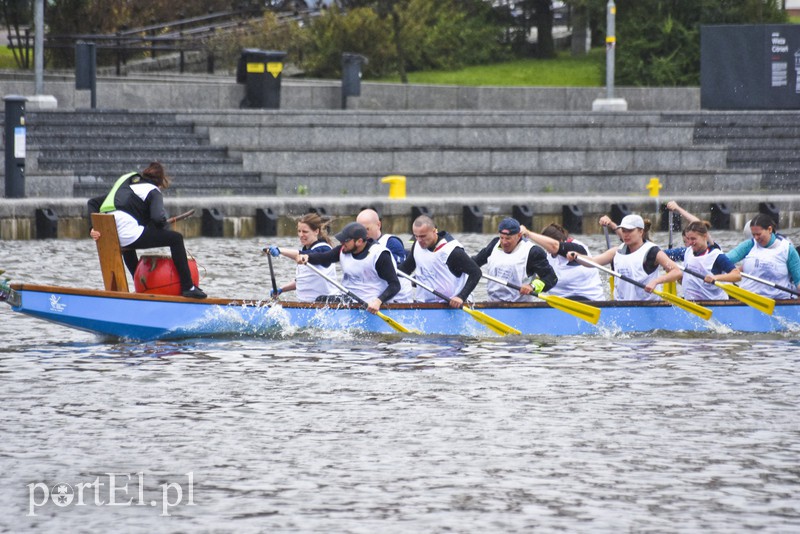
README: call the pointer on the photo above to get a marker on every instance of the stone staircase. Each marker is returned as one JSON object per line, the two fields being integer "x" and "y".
{"x": 765, "y": 140}
{"x": 457, "y": 153}
{"x": 473, "y": 153}
{"x": 96, "y": 147}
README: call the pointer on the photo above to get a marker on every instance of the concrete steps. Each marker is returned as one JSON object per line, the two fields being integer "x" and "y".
{"x": 495, "y": 160}
{"x": 96, "y": 147}
{"x": 268, "y": 152}
{"x": 769, "y": 141}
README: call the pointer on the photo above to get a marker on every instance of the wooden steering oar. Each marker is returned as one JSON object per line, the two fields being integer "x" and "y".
{"x": 754, "y": 300}
{"x": 391, "y": 322}
{"x": 182, "y": 216}
{"x": 691, "y": 307}
{"x": 590, "y": 314}
{"x": 486, "y": 320}
{"x": 771, "y": 284}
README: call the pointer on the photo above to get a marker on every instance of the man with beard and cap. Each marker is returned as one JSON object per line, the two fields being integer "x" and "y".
{"x": 440, "y": 262}
{"x": 368, "y": 269}
{"x": 511, "y": 258}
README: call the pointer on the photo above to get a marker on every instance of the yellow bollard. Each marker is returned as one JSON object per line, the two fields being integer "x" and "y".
{"x": 397, "y": 185}
{"x": 654, "y": 186}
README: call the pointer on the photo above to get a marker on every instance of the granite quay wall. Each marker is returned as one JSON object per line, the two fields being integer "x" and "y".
{"x": 212, "y": 92}
{"x": 238, "y": 214}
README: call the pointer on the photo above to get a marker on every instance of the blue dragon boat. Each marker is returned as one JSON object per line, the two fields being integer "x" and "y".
{"x": 141, "y": 316}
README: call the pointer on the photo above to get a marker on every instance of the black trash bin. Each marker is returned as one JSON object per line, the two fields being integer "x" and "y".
{"x": 351, "y": 75}
{"x": 260, "y": 72}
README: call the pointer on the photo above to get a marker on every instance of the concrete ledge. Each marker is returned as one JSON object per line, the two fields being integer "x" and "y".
{"x": 17, "y": 216}
{"x": 213, "y": 92}
{"x": 40, "y": 102}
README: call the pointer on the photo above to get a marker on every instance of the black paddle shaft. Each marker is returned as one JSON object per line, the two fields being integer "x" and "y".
{"x": 693, "y": 273}
{"x": 272, "y": 274}
{"x": 432, "y": 290}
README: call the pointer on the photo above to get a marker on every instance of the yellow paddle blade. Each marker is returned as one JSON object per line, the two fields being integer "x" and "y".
{"x": 581, "y": 310}
{"x": 759, "y": 302}
{"x": 397, "y": 326}
{"x": 684, "y": 304}
{"x": 490, "y": 322}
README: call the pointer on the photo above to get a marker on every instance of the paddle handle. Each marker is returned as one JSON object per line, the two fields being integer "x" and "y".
{"x": 772, "y": 284}
{"x": 423, "y": 286}
{"x": 338, "y": 285}
{"x": 608, "y": 239}
{"x": 612, "y": 272}
{"x": 500, "y": 281}
{"x": 693, "y": 272}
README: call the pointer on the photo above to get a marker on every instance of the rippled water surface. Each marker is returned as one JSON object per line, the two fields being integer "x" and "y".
{"x": 336, "y": 432}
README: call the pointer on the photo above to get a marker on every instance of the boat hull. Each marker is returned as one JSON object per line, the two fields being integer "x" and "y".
{"x": 151, "y": 317}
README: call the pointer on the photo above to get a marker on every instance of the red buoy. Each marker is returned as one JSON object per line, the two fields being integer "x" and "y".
{"x": 157, "y": 275}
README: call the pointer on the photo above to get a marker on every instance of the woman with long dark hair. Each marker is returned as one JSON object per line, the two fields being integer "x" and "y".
{"x": 137, "y": 204}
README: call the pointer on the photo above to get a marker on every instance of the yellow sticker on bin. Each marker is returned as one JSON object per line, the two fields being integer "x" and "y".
{"x": 255, "y": 67}
{"x": 274, "y": 68}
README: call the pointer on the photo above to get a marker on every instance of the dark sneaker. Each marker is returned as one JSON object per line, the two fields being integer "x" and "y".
{"x": 194, "y": 293}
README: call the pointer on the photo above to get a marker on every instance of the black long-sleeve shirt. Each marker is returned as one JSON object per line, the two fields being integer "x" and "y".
{"x": 537, "y": 263}
{"x": 384, "y": 266}
{"x": 458, "y": 263}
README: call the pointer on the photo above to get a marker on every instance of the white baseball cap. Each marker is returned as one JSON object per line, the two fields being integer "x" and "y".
{"x": 629, "y": 222}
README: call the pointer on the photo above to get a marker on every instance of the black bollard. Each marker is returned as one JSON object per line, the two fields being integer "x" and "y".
{"x": 618, "y": 212}
{"x": 720, "y": 216}
{"x": 769, "y": 208}
{"x": 472, "y": 219}
{"x": 266, "y": 222}
{"x": 213, "y": 223}
{"x": 46, "y": 224}
{"x": 572, "y": 215}
{"x": 524, "y": 214}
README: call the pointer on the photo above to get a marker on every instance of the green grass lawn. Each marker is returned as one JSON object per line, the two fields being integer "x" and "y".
{"x": 7, "y": 58}
{"x": 564, "y": 71}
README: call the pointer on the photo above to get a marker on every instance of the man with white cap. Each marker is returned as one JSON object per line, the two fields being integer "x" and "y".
{"x": 515, "y": 260}
{"x": 368, "y": 269}
{"x": 637, "y": 258}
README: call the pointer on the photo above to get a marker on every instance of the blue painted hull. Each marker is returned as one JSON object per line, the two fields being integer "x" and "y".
{"x": 151, "y": 317}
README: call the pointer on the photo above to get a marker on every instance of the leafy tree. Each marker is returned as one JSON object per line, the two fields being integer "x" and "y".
{"x": 659, "y": 40}
{"x": 403, "y": 35}
{"x": 18, "y": 14}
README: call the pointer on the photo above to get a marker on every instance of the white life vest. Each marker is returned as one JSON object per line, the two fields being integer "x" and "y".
{"x": 360, "y": 276}
{"x": 575, "y": 280}
{"x": 406, "y": 293}
{"x": 309, "y": 285}
{"x": 632, "y": 266}
{"x": 511, "y": 267}
{"x": 770, "y": 264}
{"x": 432, "y": 271}
{"x": 695, "y": 288}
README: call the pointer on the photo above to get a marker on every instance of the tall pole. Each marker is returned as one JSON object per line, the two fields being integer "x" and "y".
{"x": 38, "y": 47}
{"x": 611, "y": 42}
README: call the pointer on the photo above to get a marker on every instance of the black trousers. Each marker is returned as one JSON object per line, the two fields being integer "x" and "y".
{"x": 161, "y": 237}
